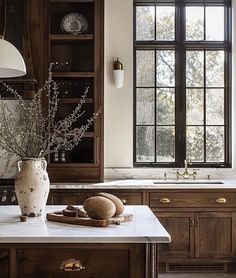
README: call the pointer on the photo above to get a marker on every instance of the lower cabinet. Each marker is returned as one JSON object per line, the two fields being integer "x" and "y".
{"x": 215, "y": 235}
{"x": 180, "y": 225}
{"x": 202, "y": 223}
{"x": 4, "y": 263}
{"x": 78, "y": 260}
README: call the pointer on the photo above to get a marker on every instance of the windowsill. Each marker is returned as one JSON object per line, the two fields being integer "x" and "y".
{"x": 158, "y": 173}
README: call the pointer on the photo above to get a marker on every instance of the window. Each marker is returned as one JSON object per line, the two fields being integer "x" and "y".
{"x": 182, "y": 73}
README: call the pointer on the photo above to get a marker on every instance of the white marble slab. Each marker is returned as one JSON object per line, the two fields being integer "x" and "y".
{"x": 144, "y": 228}
{"x": 150, "y": 184}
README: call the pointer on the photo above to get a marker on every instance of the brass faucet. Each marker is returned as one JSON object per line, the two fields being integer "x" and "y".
{"x": 186, "y": 174}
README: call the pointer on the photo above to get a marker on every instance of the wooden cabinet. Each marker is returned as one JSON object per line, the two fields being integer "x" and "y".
{"x": 202, "y": 227}
{"x": 4, "y": 263}
{"x": 65, "y": 198}
{"x": 180, "y": 225}
{"x": 96, "y": 260}
{"x": 77, "y": 63}
{"x": 215, "y": 235}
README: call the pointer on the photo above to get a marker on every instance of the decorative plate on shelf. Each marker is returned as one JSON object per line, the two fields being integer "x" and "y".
{"x": 74, "y": 23}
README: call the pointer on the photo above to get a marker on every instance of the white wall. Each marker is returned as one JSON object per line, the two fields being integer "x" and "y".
{"x": 119, "y": 102}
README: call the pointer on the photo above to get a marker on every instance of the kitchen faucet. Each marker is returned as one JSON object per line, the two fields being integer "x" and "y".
{"x": 186, "y": 174}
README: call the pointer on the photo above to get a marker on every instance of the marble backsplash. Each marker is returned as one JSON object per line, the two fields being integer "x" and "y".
{"x": 154, "y": 173}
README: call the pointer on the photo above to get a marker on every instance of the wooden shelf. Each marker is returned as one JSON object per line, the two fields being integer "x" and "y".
{"x": 67, "y": 37}
{"x": 62, "y": 74}
{"x": 74, "y": 100}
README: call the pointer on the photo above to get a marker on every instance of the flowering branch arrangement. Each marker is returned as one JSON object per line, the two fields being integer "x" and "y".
{"x": 38, "y": 133}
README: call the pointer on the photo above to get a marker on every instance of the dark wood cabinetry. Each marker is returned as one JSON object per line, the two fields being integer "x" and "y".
{"x": 180, "y": 225}
{"x": 201, "y": 223}
{"x": 77, "y": 63}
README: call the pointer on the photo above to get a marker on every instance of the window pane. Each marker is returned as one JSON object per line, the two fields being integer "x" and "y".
{"x": 215, "y": 68}
{"x": 166, "y": 144}
{"x": 194, "y": 68}
{"x": 145, "y": 23}
{"x": 195, "y": 106}
{"x": 145, "y": 106}
{"x": 195, "y": 143}
{"x": 215, "y": 23}
{"x": 145, "y": 144}
{"x": 194, "y": 23}
{"x": 165, "y": 68}
{"x": 165, "y": 23}
{"x": 215, "y": 144}
{"x": 145, "y": 68}
{"x": 215, "y": 107}
{"x": 165, "y": 106}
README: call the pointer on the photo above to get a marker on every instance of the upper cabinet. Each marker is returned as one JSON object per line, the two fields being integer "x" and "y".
{"x": 74, "y": 46}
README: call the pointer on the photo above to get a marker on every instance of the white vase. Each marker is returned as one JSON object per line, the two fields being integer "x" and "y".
{"x": 32, "y": 186}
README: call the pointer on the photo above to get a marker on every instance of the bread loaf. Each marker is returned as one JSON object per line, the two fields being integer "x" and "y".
{"x": 119, "y": 205}
{"x": 99, "y": 207}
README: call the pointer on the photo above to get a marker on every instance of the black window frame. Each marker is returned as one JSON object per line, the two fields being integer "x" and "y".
{"x": 180, "y": 45}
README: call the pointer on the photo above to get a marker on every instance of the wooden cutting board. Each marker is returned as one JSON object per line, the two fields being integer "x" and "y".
{"x": 57, "y": 217}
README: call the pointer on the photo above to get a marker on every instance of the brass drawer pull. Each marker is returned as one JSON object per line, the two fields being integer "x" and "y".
{"x": 124, "y": 201}
{"x": 165, "y": 200}
{"x": 221, "y": 200}
{"x": 71, "y": 265}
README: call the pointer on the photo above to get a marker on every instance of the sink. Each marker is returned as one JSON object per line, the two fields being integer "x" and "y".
{"x": 189, "y": 182}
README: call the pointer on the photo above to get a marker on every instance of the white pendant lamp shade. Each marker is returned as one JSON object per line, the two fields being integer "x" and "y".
{"x": 11, "y": 62}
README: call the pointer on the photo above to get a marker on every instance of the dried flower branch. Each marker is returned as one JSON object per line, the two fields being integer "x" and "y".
{"x": 37, "y": 133}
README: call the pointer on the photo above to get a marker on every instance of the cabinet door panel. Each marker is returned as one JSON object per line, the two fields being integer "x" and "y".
{"x": 214, "y": 234}
{"x": 180, "y": 225}
{"x": 3, "y": 263}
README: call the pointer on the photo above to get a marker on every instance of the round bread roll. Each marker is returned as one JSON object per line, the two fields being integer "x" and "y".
{"x": 118, "y": 203}
{"x": 99, "y": 207}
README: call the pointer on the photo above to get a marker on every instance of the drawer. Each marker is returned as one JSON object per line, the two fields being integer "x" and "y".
{"x": 51, "y": 263}
{"x": 192, "y": 199}
{"x": 128, "y": 198}
{"x": 66, "y": 198}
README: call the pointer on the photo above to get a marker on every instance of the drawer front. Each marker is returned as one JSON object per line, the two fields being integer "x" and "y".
{"x": 194, "y": 199}
{"x": 66, "y": 198}
{"x": 128, "y": 198}
{"x": 54, "y": 263}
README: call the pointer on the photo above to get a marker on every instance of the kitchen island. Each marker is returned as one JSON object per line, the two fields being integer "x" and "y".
{"x": 38, "y": 248}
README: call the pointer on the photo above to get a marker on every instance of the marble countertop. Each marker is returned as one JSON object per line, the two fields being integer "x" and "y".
{"x": 151, "y": 184}
{"x": 144, "y": 228}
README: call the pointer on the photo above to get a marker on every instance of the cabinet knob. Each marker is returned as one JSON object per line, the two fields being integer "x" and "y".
{"x": 71, "y": 265}
{"x": 165, "y": 200}
{"x": 221, "y": 200}
{"x": 124, "y": 201}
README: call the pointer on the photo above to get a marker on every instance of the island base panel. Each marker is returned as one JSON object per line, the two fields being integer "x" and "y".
{"x": 96, "y": 260}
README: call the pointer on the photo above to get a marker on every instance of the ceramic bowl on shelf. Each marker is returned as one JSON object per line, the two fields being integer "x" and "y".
{"x": 74, "y": 23}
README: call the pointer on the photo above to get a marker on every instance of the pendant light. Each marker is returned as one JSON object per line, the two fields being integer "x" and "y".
{"x": 11, "y": 61}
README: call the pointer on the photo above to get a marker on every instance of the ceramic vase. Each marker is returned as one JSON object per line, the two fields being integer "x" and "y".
{"x": 32, "y": 186}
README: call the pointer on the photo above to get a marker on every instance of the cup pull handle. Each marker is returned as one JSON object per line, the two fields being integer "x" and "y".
{"x": 221, "y": 200}
{"x": 71, "y": 265}
{"x": 165, "y": 200}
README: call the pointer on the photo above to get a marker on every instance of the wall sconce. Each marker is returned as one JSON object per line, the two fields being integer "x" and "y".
{"x": 118, "y": 73}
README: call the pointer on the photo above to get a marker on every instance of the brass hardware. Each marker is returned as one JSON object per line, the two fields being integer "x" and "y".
{"x": 71, "y": 265}
{"x": 186, "y": 174}
{"x": 165, "y": 200}
{"x": 124, "y": 201}
{"x": 118, "y": 65}
{"x": 197, "y": 223}
{"x": 221, "y": 200}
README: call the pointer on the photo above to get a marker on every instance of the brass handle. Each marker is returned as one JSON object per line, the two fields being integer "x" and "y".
{"x": 165, "y": 200}
{"x": 124, "y": 201}
{"x": 221, "y": 200}
{"x": 71, "y": 265}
